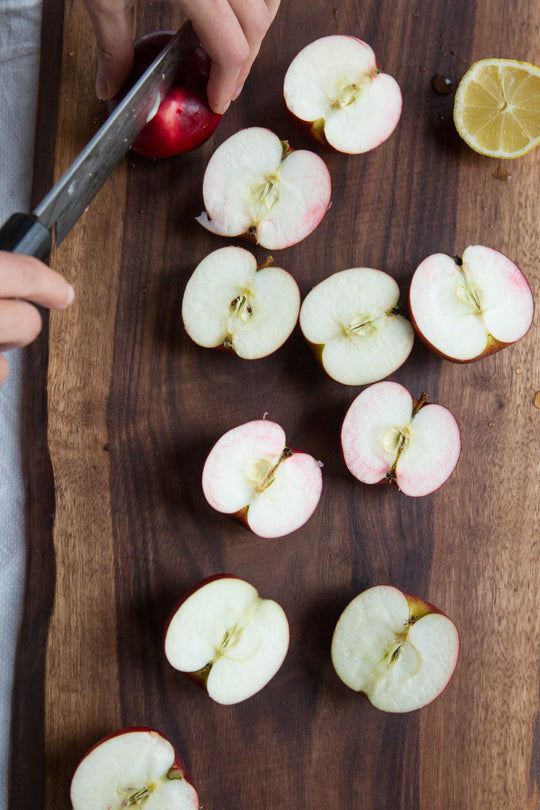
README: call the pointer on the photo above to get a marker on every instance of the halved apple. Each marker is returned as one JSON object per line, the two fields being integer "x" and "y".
{"x": 396, "y": 649}
{"x": 335, "y": 85}
{"x": 254, "y": 476}
{"x": 134, "y": 767}
{"x": 256, "y": 185}
{"x": 388, "y": 436}
{"x": 470, "y": 306}
{"x": 231, "y": 303}
{"x": 228, "y": 638}
{"x": 352, "y": 321}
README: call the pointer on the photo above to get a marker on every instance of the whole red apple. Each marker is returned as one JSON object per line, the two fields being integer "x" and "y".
{"x": 183, "y": 119}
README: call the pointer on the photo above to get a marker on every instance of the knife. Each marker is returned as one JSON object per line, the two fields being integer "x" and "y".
{"x": 56, "y": 214}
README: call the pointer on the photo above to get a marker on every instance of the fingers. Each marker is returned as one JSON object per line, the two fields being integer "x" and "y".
{"x": 231, "y": 32}
{"x": 20, "y": 324}
{"x": 110, "y": 21}
{"x": 4, "y": 369}
{"x": 25, "y": 277}
{"x": 24, "y": 282}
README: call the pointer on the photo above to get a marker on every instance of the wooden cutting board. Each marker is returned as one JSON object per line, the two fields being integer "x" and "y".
{"x": 122, "y": 417}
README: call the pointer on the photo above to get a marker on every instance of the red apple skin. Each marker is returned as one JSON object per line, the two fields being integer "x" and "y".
{"x": 184, "y": 120}
{"x": 492, "y": 346}
{"x": 178, "y": 766}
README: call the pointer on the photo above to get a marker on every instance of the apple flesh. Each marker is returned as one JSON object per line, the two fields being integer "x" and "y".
{"x": 335, "y": 85}
{"x": 182, "y": 120}
{"x": 388, "y": 436}
{"x": 397, "y": 650}
{"x": 227, "y": 638}
{"x": 255, "y": 185}
{"x": 252, "y": 475}
{"x": 352, "y": 322}
{"x": 465, "y": 308}
{"x": 135, "y": 767}
{"x": 231, "y": 303}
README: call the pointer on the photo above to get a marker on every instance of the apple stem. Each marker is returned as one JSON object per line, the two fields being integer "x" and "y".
{"x": 268, "y": 262}
{"x": 262, "y": 472}
{"x": 420, "y": 403}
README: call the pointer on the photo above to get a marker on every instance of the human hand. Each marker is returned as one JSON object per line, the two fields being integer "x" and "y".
{"x": 230, "y": 31}
{"x": 25, "y": 281}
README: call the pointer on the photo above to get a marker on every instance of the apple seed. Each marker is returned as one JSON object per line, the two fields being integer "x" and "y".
{"x": 349, "y": 95}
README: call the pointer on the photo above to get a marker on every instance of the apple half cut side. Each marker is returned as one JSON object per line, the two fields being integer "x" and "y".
{"x": 335, "y": 85}
{"x": 351, "y": 320}
{"x": 227, "y": 638}
{"x": 134, "y": 767}
{"x": 254, "y": 476}
{"x": 397, "y": 650}
{"x": 467, "y": 307}
{"x": 387, "y": 435}
{"x": 182, "y": 120}
{"x": 256, "y": 185}
{"x": 231, "y": 303}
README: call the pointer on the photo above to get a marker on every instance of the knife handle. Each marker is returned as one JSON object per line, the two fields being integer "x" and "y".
{"x": 24, "y": 233}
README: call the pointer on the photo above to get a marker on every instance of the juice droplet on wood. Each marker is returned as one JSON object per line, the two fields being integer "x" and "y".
{"x": 442, "y": 84}
{"x": 501, "y": 173}
{"x": 536, "y": 401}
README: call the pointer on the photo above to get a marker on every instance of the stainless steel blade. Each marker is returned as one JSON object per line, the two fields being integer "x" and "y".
{"x": 70, "y": 196}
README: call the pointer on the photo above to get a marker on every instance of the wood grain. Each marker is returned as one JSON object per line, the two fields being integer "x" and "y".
{"x": 134, "y": 406}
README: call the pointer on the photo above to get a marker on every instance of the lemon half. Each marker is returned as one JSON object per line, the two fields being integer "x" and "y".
{"x": 497, "y": 107}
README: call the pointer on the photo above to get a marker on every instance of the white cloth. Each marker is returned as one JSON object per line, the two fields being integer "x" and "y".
{"x": 20, "y": 24}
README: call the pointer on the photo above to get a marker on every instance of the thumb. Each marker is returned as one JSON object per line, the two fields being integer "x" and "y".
{"x": 111, "y": 24}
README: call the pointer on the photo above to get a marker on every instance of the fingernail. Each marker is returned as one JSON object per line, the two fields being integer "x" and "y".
{"x": 237, "y": 92}
{"x": 223, "y": 108}
{"x": 102, "y": 86}
{"x": 70, "y": 295}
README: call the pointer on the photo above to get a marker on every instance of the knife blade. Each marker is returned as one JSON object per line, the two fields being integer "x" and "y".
{"x": 56, "y": 214}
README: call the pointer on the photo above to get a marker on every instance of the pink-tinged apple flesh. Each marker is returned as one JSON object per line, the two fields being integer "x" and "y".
{"x": 388, "y": 436}
{"x": 396, "y": 649}
{"x": 352, "y": 322}
{"x": 181, "y": 121}
{"x": 253, "y": 475}
{"x": 335, "y": 85}
{"x": 136, "y": 767}
{"x": 231, "y": 303}
{"x": 466, "y": 308}
{"x": 255, "y": 185}
{"x": 228, "y": 638}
